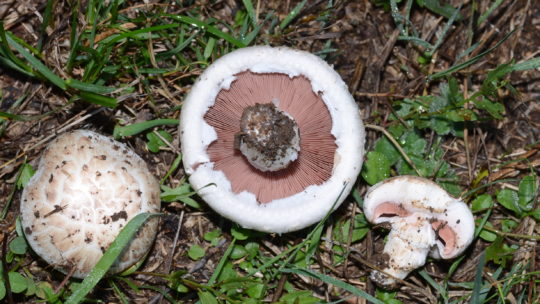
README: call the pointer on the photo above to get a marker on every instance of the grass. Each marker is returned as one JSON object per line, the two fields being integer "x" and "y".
{"x": 125, "y": 70}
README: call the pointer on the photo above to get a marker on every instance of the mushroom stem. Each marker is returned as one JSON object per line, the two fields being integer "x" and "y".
{"x": 409, "y": 243}
{"x": 269, "y": 138}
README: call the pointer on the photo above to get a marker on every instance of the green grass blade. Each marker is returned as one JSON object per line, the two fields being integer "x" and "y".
{"x": 175, "y": 164}
{"x": 114, "y": 11}
{"x": 445, "y": 10}
{"x": 488, "y": 12}
{"x": 98, "y": 99}
{"x": 417, "y": 41}
{"x": 270, "y": 262}
{"x": 6, "y": 51}
{"x": 137, "y": 33}
{"x": 10, "y": 64}
{"x": 475, "y": 296}
{"x": 209, "y": 28}
{"x": 530, "y": 64}
{"x": 467, "y": 51}
{"x": 250, "y": 11}
{"x": 314, "y": 237}
{"x": 108, "y": 258}
{"x": 89, "y": 87}
{"x": 335, "y": 282}
{"x": 442, "y": 291}
{"x": 74, "y": 37}
{"x": 221, "y": 263}
{"x": 137, "y": 128}
{"x": 252, "y": 35}
{"x": 16, "y": 117}
{"x": 46, "y": 19}
{"x": 398, "y": 18}
{"x": 209, "y": 49}
{"x": 37, "y": 64}
{"x": 182, "y": 45}
{"x": 445, "y": 29}
{"x": 292, "y": 14}
{"x": 470, "y": 61}
{"x": 118, "y": 292}
{"x": 91, "y": 18}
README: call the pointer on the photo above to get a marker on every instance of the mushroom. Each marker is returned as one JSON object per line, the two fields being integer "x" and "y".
{"x": 424, "y": 220}
{"x": 271, "y": 138}
{"x": 86, "y": 188}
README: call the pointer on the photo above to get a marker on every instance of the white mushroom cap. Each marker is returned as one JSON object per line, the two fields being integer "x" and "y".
{"x": 252, "y": 210}
{"x": 85, "y": 190}
{"x": 424, "y": 219}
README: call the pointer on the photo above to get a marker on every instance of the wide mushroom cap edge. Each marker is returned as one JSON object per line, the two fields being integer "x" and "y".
{"x": 289, "y": 213}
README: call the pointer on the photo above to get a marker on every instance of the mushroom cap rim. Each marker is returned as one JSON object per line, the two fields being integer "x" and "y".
{"x": 290, "y": 213}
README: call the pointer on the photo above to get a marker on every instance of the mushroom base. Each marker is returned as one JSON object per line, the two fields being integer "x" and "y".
{"x": 269, "y": 138}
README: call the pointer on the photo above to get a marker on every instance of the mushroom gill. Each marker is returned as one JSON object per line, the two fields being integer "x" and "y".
{"x": 291, "y": 95}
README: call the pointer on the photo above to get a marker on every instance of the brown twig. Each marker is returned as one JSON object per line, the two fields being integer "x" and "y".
{"x": 65, "y": 280}
{"x": 396, "y": 144}
{"x": 170, "y": 258}
{"x": 279, "y": 288}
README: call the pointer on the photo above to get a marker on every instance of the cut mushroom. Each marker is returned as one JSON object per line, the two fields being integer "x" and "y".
{"x": 271, "y": 138}
{"x": 424, "y": 219}
{"x": 86, "y": 188}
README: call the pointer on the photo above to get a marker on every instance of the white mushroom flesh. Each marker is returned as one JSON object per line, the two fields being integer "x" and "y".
{"x": 409, "y": 242}
{"x": 424, "y": 220}
{"x": 85, "y": 190}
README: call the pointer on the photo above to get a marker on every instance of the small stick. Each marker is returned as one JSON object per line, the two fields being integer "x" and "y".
{"x": 279, "y": 288}
{"x": 171, "y": 255}
{"x": 396, "y": 144}
{"x": 65, "y": 280}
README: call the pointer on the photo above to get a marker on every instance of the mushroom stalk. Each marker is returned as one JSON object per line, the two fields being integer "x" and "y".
{"x": 408, "y": 245}
{"x": 269, "y": 138}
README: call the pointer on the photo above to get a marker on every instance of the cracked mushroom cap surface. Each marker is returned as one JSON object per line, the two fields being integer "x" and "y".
{"x": 422, "y": 199}
{"x": 291, "y": 191}
{"x": 86, "y": 189}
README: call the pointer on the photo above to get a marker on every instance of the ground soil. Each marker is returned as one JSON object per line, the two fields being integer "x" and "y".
{"x": 378, "y": 68}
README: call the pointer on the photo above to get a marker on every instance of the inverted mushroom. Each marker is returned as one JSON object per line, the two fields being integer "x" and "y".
{"x": 271, "y": 137}
{"x": 85, "y": 190}
{"x": 424, "y": 220}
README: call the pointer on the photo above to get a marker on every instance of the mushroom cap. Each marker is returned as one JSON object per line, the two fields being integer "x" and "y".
{"x": 85, "y": 190}
{"x": 302, "y": 208}
{"x": 412, "y": 196}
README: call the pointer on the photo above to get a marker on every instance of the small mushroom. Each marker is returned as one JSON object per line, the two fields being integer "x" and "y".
{"x": 271, "y": 138}
{"x": 85, "y": 190}
{"x": 424, "y": 220}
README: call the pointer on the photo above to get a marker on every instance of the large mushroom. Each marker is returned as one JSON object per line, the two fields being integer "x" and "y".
{"x": 424, "y": 220}
{"x": 271, "y": 138}
{"x": 86, "y": 188}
